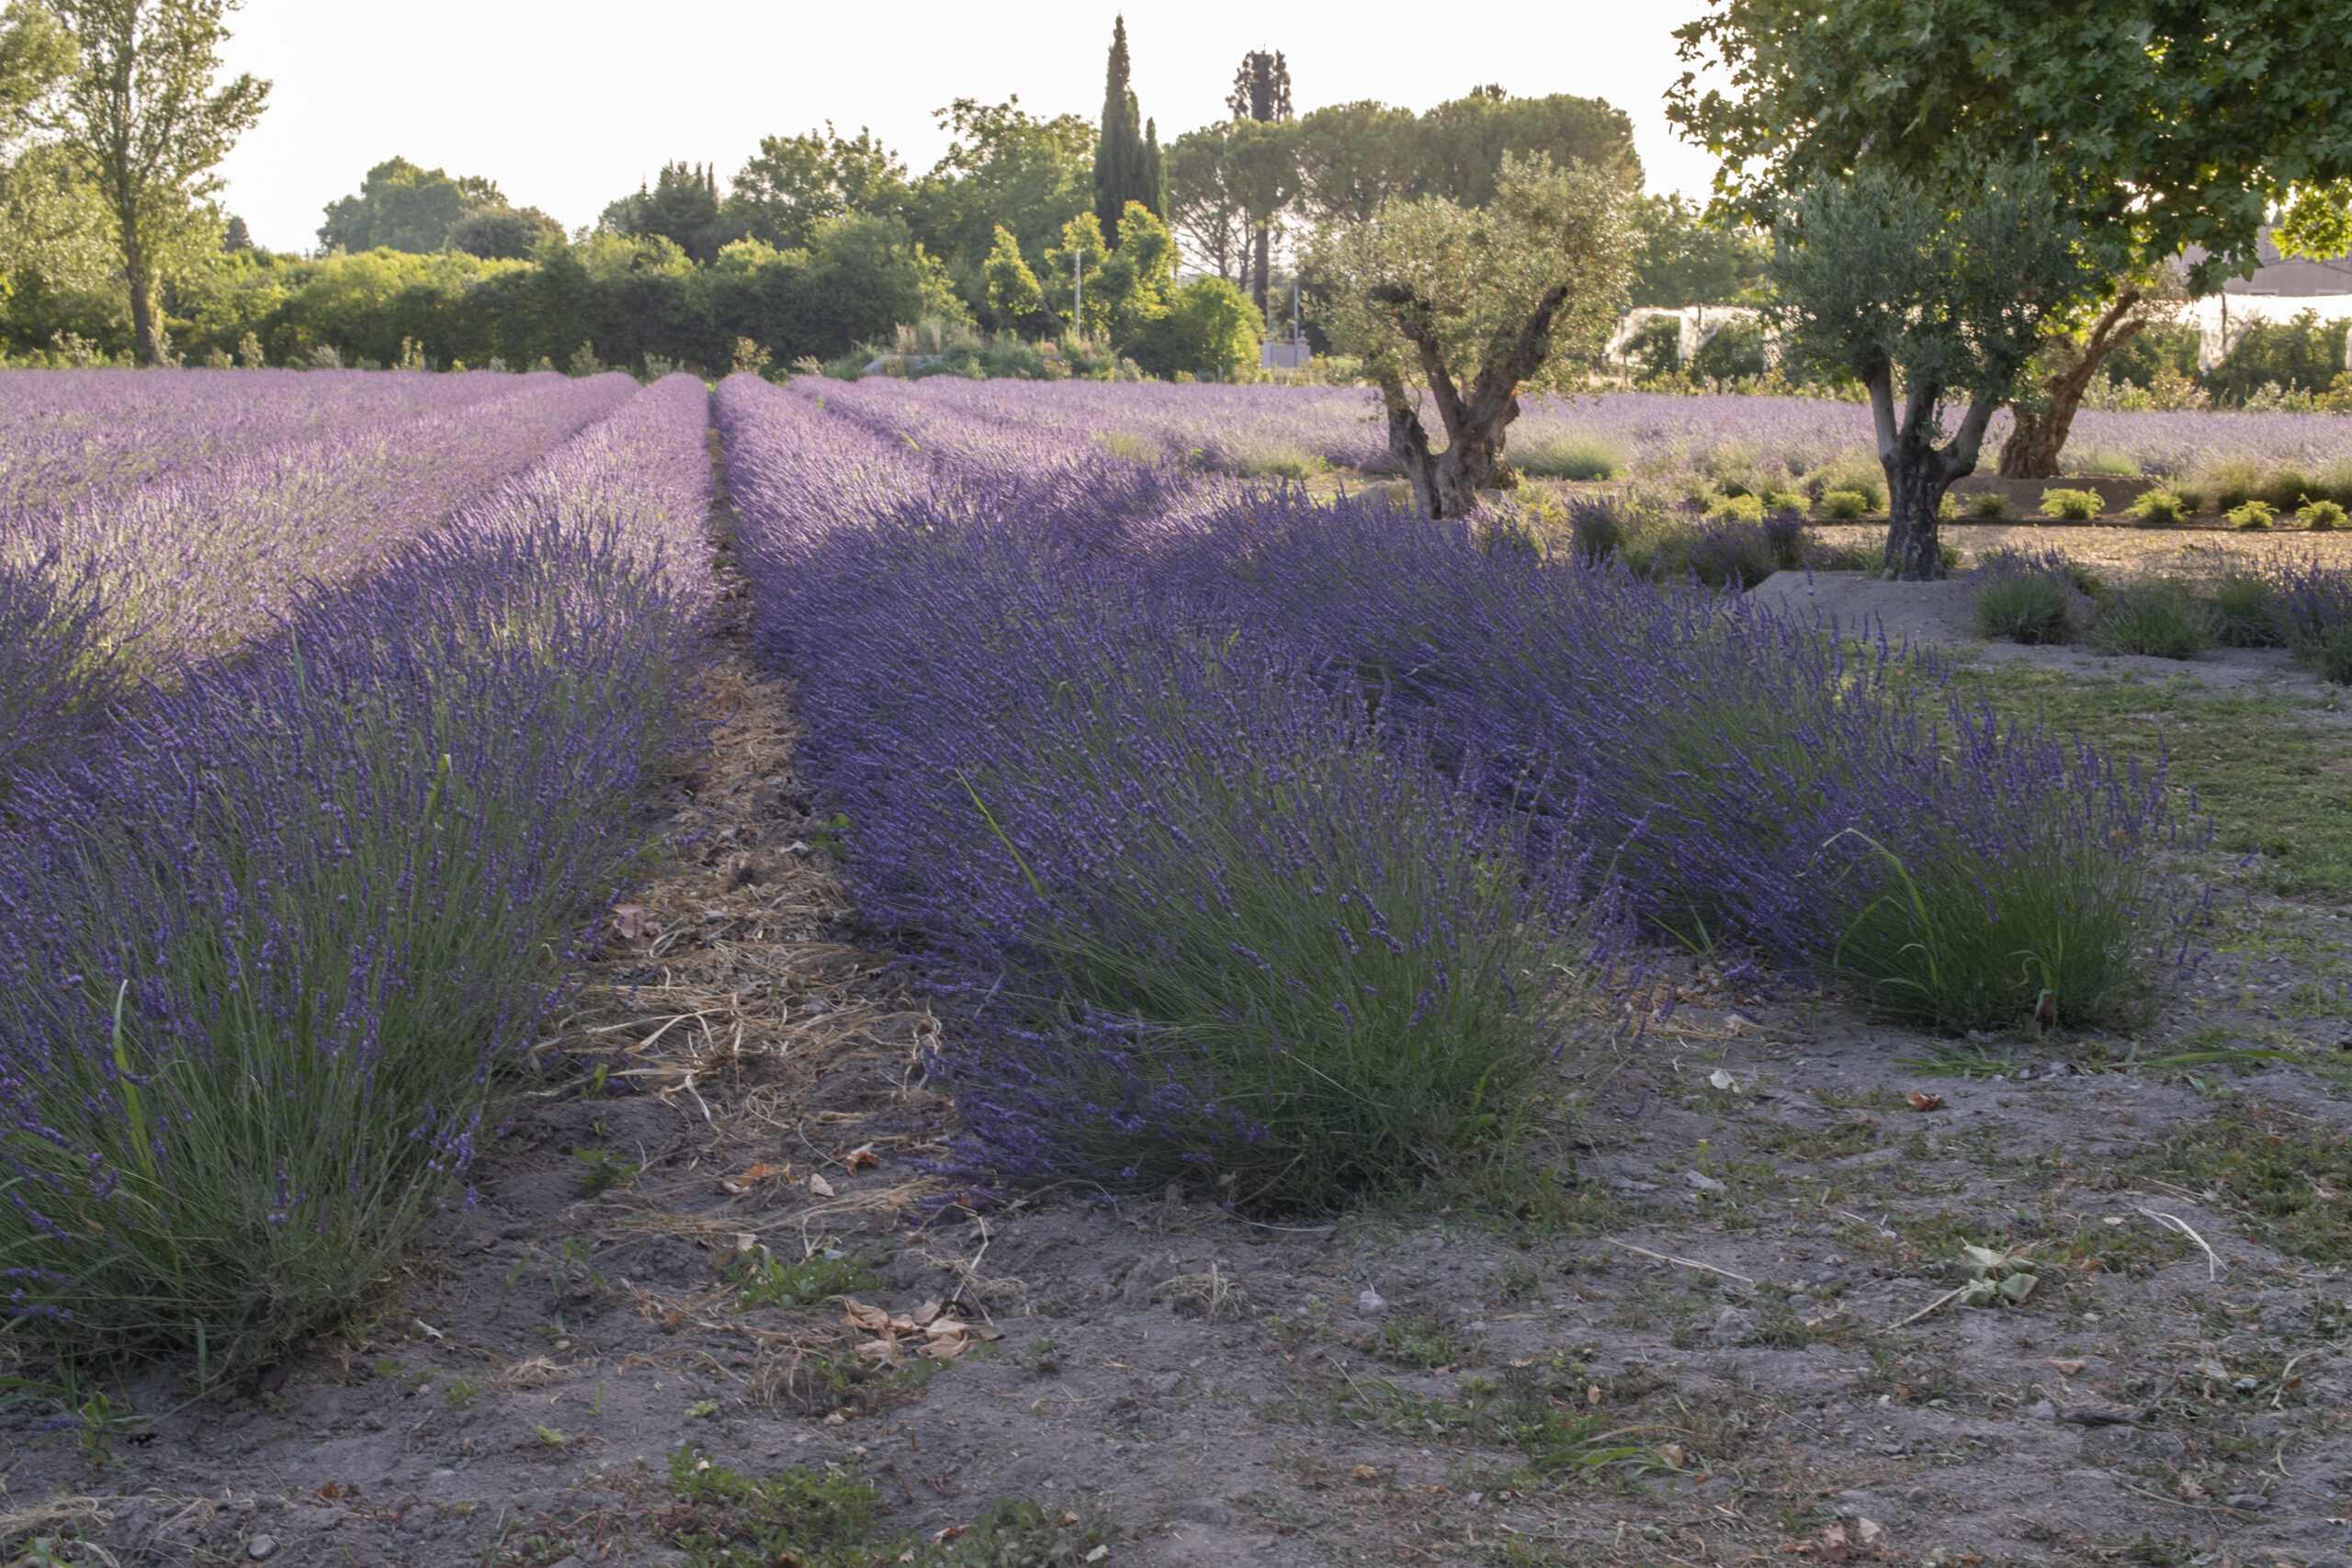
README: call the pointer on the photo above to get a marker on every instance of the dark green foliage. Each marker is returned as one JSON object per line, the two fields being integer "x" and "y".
{"x": 2304, "y": 355}
{"x": 503, "y": 233}
{"x": 2243, "y": 600}
{"x": 1686, "y": 260}
{"x": 683, "y": 208}
{"x": 1127, "y": 167}
{"x": 2029, "y": 608}
{"x": 794, "y": 183}
{"x": 403, "y": 208}
{"x": 1735, "y": 350}
{"x": 2163, "y": 620}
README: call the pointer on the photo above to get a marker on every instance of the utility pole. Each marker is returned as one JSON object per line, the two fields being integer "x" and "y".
{"x": 1077, "y": 293}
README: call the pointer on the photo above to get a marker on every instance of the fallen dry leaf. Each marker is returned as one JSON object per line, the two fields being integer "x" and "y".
{"x": 861, "y": 1157}
{"x": 951, "y": 1532}
{"x": 1920, "y": 1099}
{"x": 926, "y": 1312}
{"x": 1672, "y": 1453}
{"x": 821, "y": 1187}
{"x": 750, "y": 1179}
{"x": 1364, "y": 1473}
{"x": 857, "y": 1314}
{"x": 2068, "y": 1368}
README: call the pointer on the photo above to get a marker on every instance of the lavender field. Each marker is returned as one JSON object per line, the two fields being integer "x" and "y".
{"x": 1198, "y": 787}
{"x": 315, "y": 746}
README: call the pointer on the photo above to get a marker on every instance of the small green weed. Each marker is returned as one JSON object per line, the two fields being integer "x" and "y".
{"x": 603, "y": 1170}
{"x": 761, "y": 1279}
{"x": 1988, "y": 503}
{"x": 1416, "y": 1342}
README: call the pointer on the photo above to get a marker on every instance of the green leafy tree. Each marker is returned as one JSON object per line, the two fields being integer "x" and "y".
{"x": 1469, "y": 306}
{"x": 1353, "y": 158}
{"x": 796, "y": 182}
{"x": 1003, "y": 168}
{"x": 1210, "y": 329}
{"x": 1126, "y": 165}
{"x": 2162, "y": 126}
{"x": 1014, "y": 292}
{"x": 503, "y": 233}
{"x": 1463, "y": 141}
{"x": 1202, "y": 208}
{"x": 1260, "y": 165}
{"x": 36, "y": 58}
{"x": 1925, "y": 301}
{"x": 142, "y": 116}
{"x": 401, "y": 207}
{"x": 683, "y": 207}
{"x": 1685, "y": 259}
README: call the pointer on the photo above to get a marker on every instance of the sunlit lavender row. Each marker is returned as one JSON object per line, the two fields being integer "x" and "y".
{"x": 1290, "y": 430}
{"x": 142, "y": 564}
{"x": 263, "y": 940}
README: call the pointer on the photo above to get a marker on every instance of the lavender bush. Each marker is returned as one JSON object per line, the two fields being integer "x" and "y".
{"x": 994, "y": 627}
{"x": 262, "y": 945}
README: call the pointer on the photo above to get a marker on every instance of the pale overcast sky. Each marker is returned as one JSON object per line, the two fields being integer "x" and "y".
{"x": 569, "y": 106}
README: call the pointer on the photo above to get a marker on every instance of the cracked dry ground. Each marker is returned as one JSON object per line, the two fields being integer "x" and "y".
{"x": 1709, "y": 1334}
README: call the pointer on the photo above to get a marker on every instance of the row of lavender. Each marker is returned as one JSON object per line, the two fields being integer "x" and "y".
{"x": 160, "y": 521}
{"x": 1266, "y": 840}
{"x": 1765, "y": 440}
{"x": 264, "y": 943}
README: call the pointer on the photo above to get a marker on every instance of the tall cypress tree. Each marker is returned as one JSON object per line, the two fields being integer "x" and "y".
{"x": 1127, "y": 166}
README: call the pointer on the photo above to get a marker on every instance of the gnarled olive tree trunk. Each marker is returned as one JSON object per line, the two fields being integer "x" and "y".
{"x": 1918, "y": 471}
{"x": 2031, "y": 451}
{"x": 1446, "y": 484}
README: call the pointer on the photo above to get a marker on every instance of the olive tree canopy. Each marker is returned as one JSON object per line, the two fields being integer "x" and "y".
{"x": 1470, "y": 306}
{"x": 1925, "y": 302}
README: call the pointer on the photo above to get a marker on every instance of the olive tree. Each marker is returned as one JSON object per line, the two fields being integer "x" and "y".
{"x": 1925, "y": 302}
{"x": 1471, "y": 306}
{"x": 2161, "y": 126}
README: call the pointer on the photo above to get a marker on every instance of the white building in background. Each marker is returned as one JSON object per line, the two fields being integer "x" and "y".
{"x": 2281, "y": 289}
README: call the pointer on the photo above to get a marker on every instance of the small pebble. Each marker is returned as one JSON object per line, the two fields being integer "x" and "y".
{"x": 260, "y": 1547}
{"x": 2247, "y": 1500}
{"x": 1371, "y": 1302}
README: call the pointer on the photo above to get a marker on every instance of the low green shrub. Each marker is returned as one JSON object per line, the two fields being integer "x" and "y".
{"x": 2320, "y": 515}
{"x": 2252, "y": 516}
{"x": 1739, "y": 509}
{"x": 2159, "y": 507}
{"x": 2242, "y": 599}
{"x": 2028, "y": 608}
{"x": 1569, "y": 456}
{"x": 2076, "y": 506}
{"x": 2232, "y": 481}
{"x": 1857, "y": 472}
{"x": 2100, "y": 460}
{"x": 1845, "y": 504}
{"x": 1988, "y": 503}
{"x": 1275, "y": 460}
{"x": 2162, "y": 619}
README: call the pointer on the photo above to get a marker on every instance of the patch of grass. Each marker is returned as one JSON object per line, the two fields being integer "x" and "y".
{"x": 1416, "y": 1342}
{"x": 2289, "y": 1177}
{"x": 1275, "y": 460}
{"x": 761, "y": 1279}
{"x": 1844, "y": 1139}
{"x": 2242, "y": 599}
{"x": 2027, "y": 608}
{"x": 2162, "y": 619}
{"x": 1988, "y": 503}
{"x": 2270, "y": 786}
{"x": 1569, "y": 456}
{"x": 2098, "y": 460}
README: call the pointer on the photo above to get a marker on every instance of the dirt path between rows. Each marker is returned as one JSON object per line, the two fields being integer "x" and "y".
{"x": 1722, "y": 1331}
